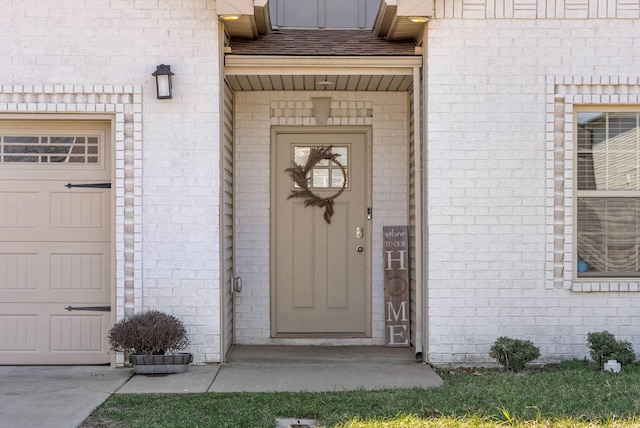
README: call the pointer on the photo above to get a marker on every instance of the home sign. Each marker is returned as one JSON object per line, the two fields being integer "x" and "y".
{"x": 395, "y": 244}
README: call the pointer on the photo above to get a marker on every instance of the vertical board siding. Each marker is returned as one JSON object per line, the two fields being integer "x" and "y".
{"x": 323, "y": 13}
{"x": 227, "y": 218}
{"x": 412, "y": 219}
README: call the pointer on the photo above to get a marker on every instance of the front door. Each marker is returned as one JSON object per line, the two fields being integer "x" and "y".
{"x": 320, "y": 274}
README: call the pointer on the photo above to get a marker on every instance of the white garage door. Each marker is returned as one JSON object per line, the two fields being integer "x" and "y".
{"x": 55, "y": 242}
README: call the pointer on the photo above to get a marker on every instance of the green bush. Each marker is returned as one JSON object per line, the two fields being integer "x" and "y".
{"x": 625, "y": 353}
{"x": 604, "y": 346}
{"x": 513, "y": 354}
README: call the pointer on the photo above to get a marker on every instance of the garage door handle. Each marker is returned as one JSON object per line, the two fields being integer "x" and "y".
{"x": 89, "y": 308}
{"x": 92, "y": 185}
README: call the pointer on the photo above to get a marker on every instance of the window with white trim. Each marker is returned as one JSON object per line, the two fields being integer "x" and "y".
{"x": 607, "y": 180}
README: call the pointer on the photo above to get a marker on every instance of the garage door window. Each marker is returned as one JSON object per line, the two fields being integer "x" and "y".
{"x": 49, "y": 149}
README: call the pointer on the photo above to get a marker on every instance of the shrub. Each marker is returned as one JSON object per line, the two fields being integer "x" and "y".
{"x": 604, "y": 346}
{"x": 513, "y": 354}
{"x": 625, "y": 353}
{"x": 149, "y": 332}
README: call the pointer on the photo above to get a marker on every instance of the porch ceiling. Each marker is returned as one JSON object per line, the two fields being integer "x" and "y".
{"x": 274, "y": 73}
{"x": 319, "y": 82}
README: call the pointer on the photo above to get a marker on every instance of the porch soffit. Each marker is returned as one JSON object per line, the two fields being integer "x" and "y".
{"x": 352, "y": 60}
{"x": 318, "y": 73}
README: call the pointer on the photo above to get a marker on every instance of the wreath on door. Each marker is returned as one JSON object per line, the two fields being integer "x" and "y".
{"x": 301, "y": 177}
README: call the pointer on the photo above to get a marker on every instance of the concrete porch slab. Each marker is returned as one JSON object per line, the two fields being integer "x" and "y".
{"x": 320, "y": 369}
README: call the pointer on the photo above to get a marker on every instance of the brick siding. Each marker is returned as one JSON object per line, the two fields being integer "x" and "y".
{"x": 491, "y": 130}
{"x": 71, "y": 55}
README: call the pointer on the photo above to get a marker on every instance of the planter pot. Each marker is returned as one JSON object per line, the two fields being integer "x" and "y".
{"x": 160, "y": 364}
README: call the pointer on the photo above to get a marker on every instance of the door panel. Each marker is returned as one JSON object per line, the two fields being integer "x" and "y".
{"x": 320, "y": 281}
{"x": 45, "y": 333}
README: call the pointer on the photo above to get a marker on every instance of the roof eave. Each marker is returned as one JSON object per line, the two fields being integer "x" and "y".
{"x": 245, "y": 19}
{"x": 402, "y": 19}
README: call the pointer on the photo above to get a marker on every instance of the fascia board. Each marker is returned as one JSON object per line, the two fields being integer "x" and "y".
{"x": 407, "y": 8}
{"x": 286, "y": 65}
{"x": 234, "y": 7}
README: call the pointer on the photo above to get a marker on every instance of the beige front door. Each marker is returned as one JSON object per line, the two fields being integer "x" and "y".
{"x": 55, "y": 242}
{"x": 320, "y": 270}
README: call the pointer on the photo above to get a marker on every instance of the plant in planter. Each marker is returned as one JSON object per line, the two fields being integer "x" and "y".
{"x": 152, "y": 339}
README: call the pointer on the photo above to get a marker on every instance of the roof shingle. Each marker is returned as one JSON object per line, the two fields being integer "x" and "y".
{"x": 321, "y": 42}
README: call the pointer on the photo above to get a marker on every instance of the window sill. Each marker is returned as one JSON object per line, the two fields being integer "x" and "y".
{"x": 605, "y": 285}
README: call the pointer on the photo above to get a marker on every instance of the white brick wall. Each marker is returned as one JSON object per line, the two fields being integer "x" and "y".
{"x": 387, "y": 113}
{"x": 167, "y": 241}
{"x": 488, "y": 187}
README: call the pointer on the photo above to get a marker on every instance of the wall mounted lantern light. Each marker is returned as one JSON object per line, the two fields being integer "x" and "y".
{"x": 163, "y": 81}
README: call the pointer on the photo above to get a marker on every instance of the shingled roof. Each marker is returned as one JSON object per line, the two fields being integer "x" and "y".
{"x": 321, "y": 42}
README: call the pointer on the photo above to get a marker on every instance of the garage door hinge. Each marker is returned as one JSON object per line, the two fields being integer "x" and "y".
{"x": 89, "y": 308}
{"x": 91, "y": 185}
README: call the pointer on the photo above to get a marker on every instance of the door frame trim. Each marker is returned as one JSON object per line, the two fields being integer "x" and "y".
{"x": 275, "y": 132}
{"x": 120, "y": 104}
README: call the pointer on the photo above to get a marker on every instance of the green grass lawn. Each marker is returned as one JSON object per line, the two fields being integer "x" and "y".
{"x": 572, "y": 394}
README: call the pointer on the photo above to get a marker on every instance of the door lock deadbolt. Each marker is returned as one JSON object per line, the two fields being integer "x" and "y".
{"x": 359, "y": 248}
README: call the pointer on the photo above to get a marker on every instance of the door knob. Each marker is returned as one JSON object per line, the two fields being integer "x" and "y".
{"x": 359, "y": 248}
{"x": 359, "y": 232}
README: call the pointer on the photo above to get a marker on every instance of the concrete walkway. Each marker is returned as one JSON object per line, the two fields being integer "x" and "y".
{"x": 54, "y": 396}
{"x": 63, "y": 396}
